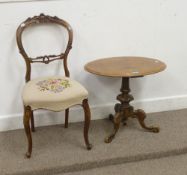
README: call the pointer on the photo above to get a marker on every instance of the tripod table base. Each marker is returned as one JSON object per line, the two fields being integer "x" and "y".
{"x": 124, "y": 110}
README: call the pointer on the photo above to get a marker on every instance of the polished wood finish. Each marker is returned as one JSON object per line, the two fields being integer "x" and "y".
{"x": 32, "y": 122}
{"x": 26, "y": 122}
{"x": 87, "y": 115}
{"x": 66, "y": 117}
{"x": 124, "y": 110}
{"x": 45, "y": 58}
{"x": 28, "y": 117}
{"x": 126, "y": 68}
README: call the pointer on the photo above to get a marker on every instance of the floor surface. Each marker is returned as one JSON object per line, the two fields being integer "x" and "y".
{"x": 59, "y": 150}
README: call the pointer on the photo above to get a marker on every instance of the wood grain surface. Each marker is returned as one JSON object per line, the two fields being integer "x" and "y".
{"x": 126, "y": 66}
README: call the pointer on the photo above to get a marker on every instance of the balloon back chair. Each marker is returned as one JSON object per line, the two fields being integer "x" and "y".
{"x": 55, "y": 93}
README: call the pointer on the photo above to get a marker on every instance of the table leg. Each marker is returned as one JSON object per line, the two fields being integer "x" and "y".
{"x": 111, "y": 117}
{"x": 141, "y": 115}
{"x": 117, "y": 109}
{"x": 117, "y": 120}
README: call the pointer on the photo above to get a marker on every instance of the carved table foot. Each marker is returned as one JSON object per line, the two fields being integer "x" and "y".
{"x": 117, "y": 120}
{"x": 141, "y": 115}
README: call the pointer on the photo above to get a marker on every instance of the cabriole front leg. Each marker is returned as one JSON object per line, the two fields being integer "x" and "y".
{"x": 87, "y": 115}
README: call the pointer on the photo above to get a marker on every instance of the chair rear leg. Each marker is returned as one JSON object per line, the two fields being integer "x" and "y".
{"x": 26, "y": 122}
{"x": 32, "y": 122}
{"x": 66, "y": 117}
{"x": 87, "y": 116}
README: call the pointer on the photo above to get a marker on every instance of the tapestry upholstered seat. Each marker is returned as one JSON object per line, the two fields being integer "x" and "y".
{"x": 53, "y": 93}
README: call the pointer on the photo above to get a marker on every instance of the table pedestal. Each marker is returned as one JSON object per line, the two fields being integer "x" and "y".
{"x": 124, "y": 110}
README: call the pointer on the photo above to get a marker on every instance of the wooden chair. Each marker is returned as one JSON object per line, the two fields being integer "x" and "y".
{"x": 55, "y": 93}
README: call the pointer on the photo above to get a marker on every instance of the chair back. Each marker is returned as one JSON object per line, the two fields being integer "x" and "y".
{"x": 41, "y": 19}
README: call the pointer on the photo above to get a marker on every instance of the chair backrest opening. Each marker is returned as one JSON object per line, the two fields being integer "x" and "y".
{"x": 37, "y": 20}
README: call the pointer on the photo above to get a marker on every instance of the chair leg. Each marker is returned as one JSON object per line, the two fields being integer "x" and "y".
{"x": 26, "y": 122}
{"x": 86, "y": 122}
{"x": 66, "y": 117}
{"x": 32, "y": 122}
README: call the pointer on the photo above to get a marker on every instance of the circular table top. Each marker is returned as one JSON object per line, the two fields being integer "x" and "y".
{"x": 126, "y": 66}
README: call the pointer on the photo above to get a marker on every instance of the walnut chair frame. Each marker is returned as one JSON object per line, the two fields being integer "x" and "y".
{"x": 28, "y": 117}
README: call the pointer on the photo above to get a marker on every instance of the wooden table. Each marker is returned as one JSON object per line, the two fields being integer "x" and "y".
{"x": 126, "y": 68}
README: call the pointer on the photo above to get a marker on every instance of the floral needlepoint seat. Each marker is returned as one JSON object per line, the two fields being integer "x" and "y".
{"x": 53, "y": 93}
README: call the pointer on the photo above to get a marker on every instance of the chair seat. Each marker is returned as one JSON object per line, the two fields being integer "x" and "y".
{"x": 53, "y": 93}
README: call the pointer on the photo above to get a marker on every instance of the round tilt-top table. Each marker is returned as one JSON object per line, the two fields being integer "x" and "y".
{"x": 126, "y": 68}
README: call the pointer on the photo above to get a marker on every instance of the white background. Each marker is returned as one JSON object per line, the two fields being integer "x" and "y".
{"x": 102, "y": 28}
